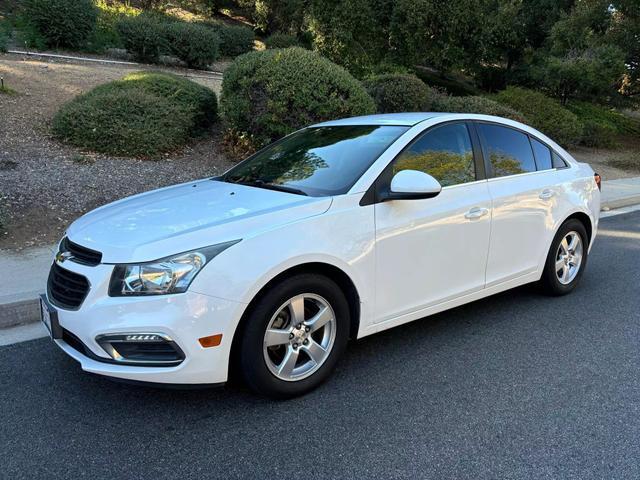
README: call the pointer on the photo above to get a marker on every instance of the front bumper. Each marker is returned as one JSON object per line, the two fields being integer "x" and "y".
{"x": 184, "y": 317}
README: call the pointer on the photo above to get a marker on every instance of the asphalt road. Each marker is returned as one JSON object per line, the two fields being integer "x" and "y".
{"x": 515, "y": 386}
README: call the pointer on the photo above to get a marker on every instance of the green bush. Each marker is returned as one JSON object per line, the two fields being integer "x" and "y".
{"x": 62, "y": 23}
{"x": 399, "y": 93}
{"x": 235, "y": 40}
{"x": 476, "y": 104}
{"x": 270, "y": 93}
{"x": 194, "y": 44}
{"x": 281, "y": 40}
{"x": 143, "y": 114}
{"x": 144, "y": 36}
{"x": 544, "y": 113}
{"x": 106, "y": 33}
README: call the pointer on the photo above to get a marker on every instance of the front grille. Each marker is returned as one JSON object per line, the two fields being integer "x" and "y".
{"x": 66, "y": 289}
{"x": 80, "y": 254}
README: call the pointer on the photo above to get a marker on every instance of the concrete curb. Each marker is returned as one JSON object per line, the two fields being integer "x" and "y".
{"x": 621, "y": 202}
{"x": 19, "y": 313}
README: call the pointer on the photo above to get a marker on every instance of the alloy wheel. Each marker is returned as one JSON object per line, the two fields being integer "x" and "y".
{"x": 299, "y": 337}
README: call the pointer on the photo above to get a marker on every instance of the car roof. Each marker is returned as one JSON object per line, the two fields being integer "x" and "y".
{"x": 408, "y": 119}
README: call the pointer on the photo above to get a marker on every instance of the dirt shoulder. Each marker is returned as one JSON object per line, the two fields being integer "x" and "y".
{"x": 45, "y": 185}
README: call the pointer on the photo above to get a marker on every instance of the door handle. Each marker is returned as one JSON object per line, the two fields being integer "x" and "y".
{"x": 546, "y": 194}
{"x": 476, "y": 212}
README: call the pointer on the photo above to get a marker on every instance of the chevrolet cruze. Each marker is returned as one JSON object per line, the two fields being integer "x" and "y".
{"x": 337, "y": 231}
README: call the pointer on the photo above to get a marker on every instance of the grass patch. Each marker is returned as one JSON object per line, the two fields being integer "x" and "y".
{"x": 7, "y": 91}
{"x": 143, "y": 114}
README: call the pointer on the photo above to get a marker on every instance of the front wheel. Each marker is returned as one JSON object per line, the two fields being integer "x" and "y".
{"x": 567, "y": 258}
{"x": 294, "y": 336}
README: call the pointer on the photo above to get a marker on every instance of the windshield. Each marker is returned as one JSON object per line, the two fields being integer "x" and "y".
{"x": 316, "y": 161}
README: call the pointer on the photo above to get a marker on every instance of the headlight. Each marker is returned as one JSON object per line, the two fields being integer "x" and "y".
{"x": 168, "y": 275}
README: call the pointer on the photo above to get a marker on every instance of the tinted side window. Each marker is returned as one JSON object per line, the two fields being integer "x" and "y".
{"x": 508, "y": 150}
{"x": 558, "y": 162}
{"x": 444, "y": 152}
{"x": 543, "y": 155}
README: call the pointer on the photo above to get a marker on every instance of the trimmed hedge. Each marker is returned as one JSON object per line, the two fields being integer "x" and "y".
{"x": 399, "y": 93}
{"x": 144, "y": 36}
{"x": 281, "y": 40}
{"x": 270, "y": 93}
{"x": 62, "y": 23}
{"x": 544, "y": 113}
{"x": 143, "y": 114}
{"x": 475, "y": 104}
{"x": 235, "y": 40}
{"x": 194, "y": 44}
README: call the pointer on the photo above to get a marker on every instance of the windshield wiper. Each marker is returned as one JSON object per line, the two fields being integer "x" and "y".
{"x": 270, "y": 186}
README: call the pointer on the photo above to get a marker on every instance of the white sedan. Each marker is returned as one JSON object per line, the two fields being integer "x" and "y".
{"x": 337, "y": 231}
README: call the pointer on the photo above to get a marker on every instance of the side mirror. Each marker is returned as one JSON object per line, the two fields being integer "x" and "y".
{"x": 411, "y": 185}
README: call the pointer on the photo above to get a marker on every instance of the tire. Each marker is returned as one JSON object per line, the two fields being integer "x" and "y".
{"x": 268, "y": 369}
{"x": 557, "y": 279}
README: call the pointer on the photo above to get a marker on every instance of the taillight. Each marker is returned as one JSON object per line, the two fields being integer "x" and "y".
{"x": 598, "y": 180}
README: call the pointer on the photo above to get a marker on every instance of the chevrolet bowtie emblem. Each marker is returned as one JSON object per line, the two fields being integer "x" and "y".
{"x": 62, "y": 256}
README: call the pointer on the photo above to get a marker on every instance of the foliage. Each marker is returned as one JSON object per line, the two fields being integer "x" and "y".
{"x": 455, "y": 85}
{"x": 5, "y": 33}
{"x": 235, "y": 40}
{"x": 268, "y": 94}
{"x": 544, "y": 113}
{"x": 106, "y": 35}
{"x": 144, "y": 36}
{"x": 399, "y": 93}
{"x": 439, "y": 34}
{"x": 143, "y": 114}
{"x": 278, "y": 15}
{"x": 602, "y": 125}
{"x": 281, "y": 40}
{"x": 475, "y": 104}
{"x": 351, "y": 33}
{"x": 62, "y": 23}
{"x": 194, "y": 44}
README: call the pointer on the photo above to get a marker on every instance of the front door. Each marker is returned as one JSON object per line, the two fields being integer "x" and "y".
{"x": 432, "y": 250}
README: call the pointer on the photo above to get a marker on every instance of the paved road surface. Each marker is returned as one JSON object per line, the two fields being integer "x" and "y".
{"x": 516, "y": 386}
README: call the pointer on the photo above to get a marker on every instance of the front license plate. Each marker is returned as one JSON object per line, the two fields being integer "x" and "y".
{"x": 49, "y": 317}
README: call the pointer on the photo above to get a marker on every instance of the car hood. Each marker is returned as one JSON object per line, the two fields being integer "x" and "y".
{"x": 184, "y": 217}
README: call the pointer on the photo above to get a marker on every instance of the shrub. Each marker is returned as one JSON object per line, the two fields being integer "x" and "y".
{"x": 281, "y": 40}
{"x": 4, "y": 40}
{"x": 106, "y": 33}
{"x": 399, "y": 93}
{"x": 270, "y": 93}
{"x": 194, "y": 44}
{"x": 144, "y": 36}
{"x": 475, "y": 104}
{"x": 544, "y": 113}
{"x": 235, "y": 40}
{"x": 62, "y": 23}
{"x": 141, "y": 115}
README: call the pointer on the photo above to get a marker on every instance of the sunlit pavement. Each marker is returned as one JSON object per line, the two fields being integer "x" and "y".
{"x": 514, "y": 386}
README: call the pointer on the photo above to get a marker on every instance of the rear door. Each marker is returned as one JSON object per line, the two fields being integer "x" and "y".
{"x": 524, "y": 196}
{"x": 432, "y": 250}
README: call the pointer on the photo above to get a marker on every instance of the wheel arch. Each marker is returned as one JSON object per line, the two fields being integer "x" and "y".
{"x": 584, "y": 219}
{"x": 328, "y": 270}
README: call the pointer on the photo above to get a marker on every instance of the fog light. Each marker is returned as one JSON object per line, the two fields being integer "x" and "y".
{"x": 143, "y": 338}
{"x": 147, "y": 349}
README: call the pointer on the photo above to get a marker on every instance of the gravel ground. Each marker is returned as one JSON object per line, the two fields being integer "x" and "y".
{"x": 45, "y": 185}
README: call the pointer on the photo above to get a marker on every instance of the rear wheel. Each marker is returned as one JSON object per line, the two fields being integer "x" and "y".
{"x": 567, "y": 258}
{"x": 294, "y": 336}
